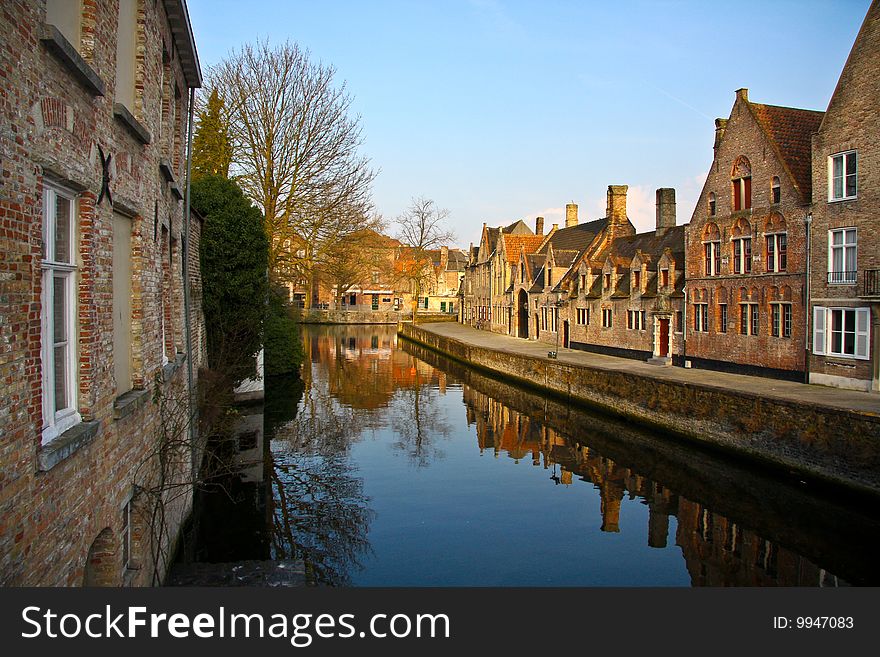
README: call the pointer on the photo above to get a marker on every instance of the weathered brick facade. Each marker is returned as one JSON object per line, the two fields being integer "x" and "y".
{"x": 849, "y": 295}
{"x": 757, "y": 191}
{"x": 64, "y": 498}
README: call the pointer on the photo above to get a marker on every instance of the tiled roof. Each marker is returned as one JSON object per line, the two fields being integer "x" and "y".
{"x": 564, "y": 258}
{"x": 512, "y": 244}
{"x": 790, "y": 129}
{"x": 575, "y": 238}
{"x": 650, "y": 244}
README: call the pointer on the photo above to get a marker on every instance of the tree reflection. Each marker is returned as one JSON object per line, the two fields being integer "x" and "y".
{"x": 417, "y": 418}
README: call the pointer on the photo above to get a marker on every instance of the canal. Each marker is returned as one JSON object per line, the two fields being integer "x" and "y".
{"x": 389, "y": 465}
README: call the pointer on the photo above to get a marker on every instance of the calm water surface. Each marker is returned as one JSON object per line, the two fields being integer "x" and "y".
{"x": 392, "y": 466}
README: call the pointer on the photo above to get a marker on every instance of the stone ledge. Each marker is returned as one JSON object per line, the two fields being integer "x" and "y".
{"x": 128, "y": 402}
{"x": 65, "y": 53}
{"x": 166, "y": 170}
{"x": 135, "y": 127}
{"x": 171, "y": 367}
{"x": 176, "y": 191}
{"x": 66, "y": 445}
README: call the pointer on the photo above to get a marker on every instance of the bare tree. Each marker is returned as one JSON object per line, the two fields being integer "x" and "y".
{"x": 421, "y": 229}
{"x": 294, "y": 152}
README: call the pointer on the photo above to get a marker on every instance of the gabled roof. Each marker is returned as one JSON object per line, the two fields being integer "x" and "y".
{"x": 790, "y": 131}
{"x": 456, "y": 260}
{"x": 518, "y": 227}
{"x": 513, "y": 243}
{"x": 563, "y": 258}
{"x": 574, "y": 238}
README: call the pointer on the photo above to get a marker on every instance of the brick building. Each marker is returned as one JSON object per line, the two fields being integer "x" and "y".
{"x": 746, "y": 245}
{"x": 627, "y": 299}
{"x": 99, "y": 266}
{"x": 845, "y": 232}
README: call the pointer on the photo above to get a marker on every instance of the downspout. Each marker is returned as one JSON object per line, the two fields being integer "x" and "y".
{"x": 186, "y": 286}
{"x": 808, "y": 221}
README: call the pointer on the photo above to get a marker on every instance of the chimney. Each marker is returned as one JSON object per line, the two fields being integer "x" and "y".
{"x": 743, "y": 94}
{"x": 539, "y": 225}
{"x": 616, "y": 209}
{"x": 571, "y": 215}
{"x": 665, "y": 210}
{"x": 720, "y": 125}
{"x": 555, "y": 228}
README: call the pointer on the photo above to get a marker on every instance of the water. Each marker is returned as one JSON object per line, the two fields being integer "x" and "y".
{"x": 392, "y": 466}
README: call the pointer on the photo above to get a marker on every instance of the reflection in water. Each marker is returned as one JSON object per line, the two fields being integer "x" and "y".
{"x": 400, "y": 467}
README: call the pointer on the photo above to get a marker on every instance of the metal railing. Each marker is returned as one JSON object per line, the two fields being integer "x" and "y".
{"x": 842, "y": 277}
{"x": 872, "y": 283}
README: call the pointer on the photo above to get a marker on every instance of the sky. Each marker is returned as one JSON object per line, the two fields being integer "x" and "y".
{"x": 501, "y": 111}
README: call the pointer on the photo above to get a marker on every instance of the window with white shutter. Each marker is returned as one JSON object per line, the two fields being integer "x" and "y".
{"x": 819, "y": 330}
{"x": 863, "y": 322}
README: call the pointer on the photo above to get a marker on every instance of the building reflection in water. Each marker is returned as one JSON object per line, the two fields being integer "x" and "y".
{"x": 717, "y": 551}
{"x": 733, "y": 527}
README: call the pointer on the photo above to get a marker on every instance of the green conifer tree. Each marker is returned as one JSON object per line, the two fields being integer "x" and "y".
{"x": 212, "y": 149}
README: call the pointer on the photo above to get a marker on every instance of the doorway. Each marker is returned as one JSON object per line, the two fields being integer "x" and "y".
{"x": 664, "y": 338}
{"x": 523, "y": 319}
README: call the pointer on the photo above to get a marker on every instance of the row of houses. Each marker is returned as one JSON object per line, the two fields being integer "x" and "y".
{"x": 100, "y": 289}
{"x": 777, "y": 273}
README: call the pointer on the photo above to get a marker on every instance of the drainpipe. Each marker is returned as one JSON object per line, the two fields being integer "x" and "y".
{"x": 186, "y": 284}
{"x": 808, "y": 221}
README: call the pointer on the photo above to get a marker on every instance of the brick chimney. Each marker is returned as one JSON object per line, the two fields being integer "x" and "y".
{"x": 665, "y": 210}
{"x": 571, "y": 215}
{"x": 539, "y": 225}
{"x": 616, "y": 208}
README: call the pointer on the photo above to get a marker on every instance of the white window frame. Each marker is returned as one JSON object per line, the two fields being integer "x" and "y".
{"x": 741, "y": 260}
{"x": 701, "y": 317}
{"x": 713, "y": 257}
{"x": 848, "y": 276}
{"x": 774, "y": 262}
{"x": 57, "y": 422}
{"x": 842, "y": 156}
{"x": 822, "y": 332}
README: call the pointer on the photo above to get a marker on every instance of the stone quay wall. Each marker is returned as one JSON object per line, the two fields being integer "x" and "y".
{"x": 827, "y": 445}
{"x": 368, "y": 317}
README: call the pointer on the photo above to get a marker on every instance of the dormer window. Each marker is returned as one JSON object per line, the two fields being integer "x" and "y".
{"x": 664, "y": 278}
{"x": 741, "y": 181}
{"x": 637, "y": 281}
{"x": 607, "y": 281}
{"x": 775, "y": 191}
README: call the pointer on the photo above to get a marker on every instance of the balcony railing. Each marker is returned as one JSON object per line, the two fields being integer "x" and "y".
{"x": 872, "y": 283}
{"x": 843, "y": 277}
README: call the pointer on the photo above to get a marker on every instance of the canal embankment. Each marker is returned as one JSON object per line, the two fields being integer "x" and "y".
{"x": 822, "y": 434}
{"x": 319, "y": 316}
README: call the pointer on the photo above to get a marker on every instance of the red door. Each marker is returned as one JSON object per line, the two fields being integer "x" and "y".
{"x": 664, "y": 338}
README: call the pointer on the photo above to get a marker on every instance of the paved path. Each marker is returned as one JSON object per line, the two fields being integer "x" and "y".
{"x": 862, "y": 402}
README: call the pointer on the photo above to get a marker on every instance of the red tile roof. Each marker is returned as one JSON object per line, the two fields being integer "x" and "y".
{"x": 512, "y": 244}
{"x": 790, "y": 130}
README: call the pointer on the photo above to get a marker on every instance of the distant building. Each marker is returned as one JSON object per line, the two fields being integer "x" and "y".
{"x": 845, "y": 232}
{"x": 93, "y": 291}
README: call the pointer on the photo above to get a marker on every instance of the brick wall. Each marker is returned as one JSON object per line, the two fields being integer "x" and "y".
{"x": 54, "y": 522}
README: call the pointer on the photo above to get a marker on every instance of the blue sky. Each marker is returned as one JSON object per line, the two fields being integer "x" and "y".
{"x": 506, "y": 110}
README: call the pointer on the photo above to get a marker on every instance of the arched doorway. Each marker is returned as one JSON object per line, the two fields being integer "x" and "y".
{"x": 102, "y": 568}
{"x": 523, "y": 320}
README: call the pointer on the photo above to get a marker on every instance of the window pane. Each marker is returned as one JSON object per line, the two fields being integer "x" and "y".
{"x": 849, "y": 343}
{"x": 837, "y": 237}
{"x": 851, "y": 236}
{"x": 850, "y": 163}
{"x": 849, "y": 322}
{"x": 60, "y": 354}
{"x": 851, "y": 185}
{"x": 59, "y": 309}
{"x": 851, "y": 259}
{"x": 62, "y": 229}
{"x": 837, "y": 260}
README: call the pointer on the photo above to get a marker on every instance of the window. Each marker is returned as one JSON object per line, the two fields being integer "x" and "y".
{"x": 842, "y": 255}
{"x": 583, "y": 316}
{"x": 780, "y": 320}
{"x": 775, "y": 191}
{"x": 841, "y": 332}
{"x": 701, "y": 317}
{"x": 664, "y": 278}
{"x": 637, "y": 281}
{"x": 711, "y": 204}
{"x": 679, "y": 321}
{"x": 607, "y": 318}
{"x": 722, "y": 318}
{"x": 748, "y": 318}
{"x": 543, "y": 318}
{"x": 842, "y": 176}
{"x": 127, "y": 561}
{"x": 635, "y": 319}
{"x": 713, "y": 258}
{"x": 607, "y": 281}
{"x": 742, "y": 255}
{"x": 583, "y": 283}
{"x": 742, "y": 194}
{"x": 777, "y": 252}
{"x": 58, "y": 314}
